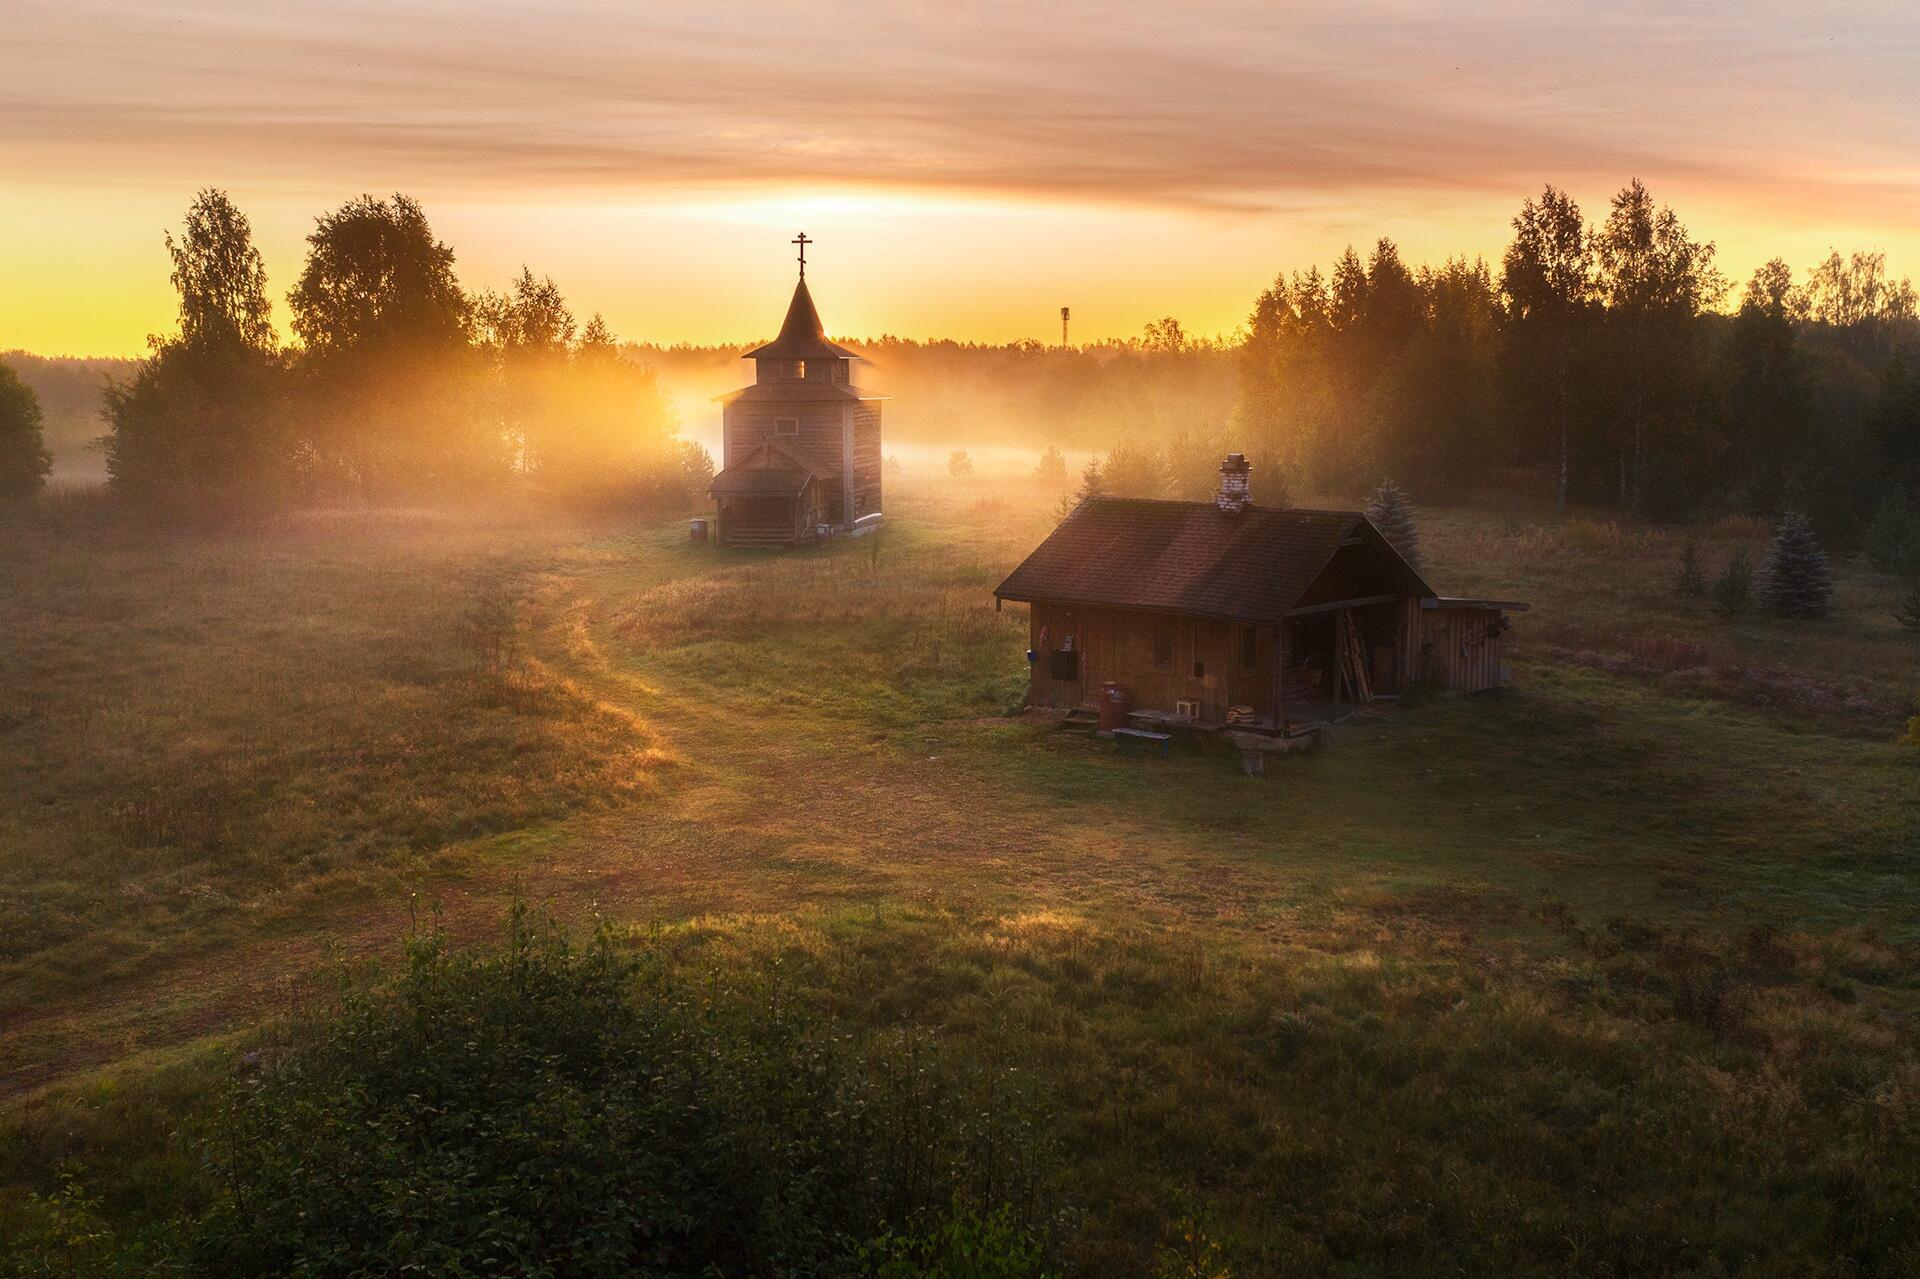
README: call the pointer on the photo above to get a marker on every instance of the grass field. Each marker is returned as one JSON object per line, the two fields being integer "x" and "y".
{"x": 1615, "y": 971}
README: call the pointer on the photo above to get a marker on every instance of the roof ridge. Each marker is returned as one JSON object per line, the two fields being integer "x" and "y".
{"x": 1198, "y": 503}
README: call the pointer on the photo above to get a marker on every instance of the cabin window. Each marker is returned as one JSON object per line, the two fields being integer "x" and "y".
{"x": 1163, "y": 646}
{"x": 786, "y": 426}
{"x": 839, "y": 370}
{"x": 799, "y": 368}
{"x": 1249, "y": 648}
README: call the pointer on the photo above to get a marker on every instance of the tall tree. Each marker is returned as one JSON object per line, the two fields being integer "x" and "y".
{"x": 529, "y": 332}
{"x": 1655, "y": 279}
{"x": 1856, "y": 296}
{"x": 1896, "y": 426}
{"x": 1438, "y": 396}
{"x": 390, "y": 384}
{"x": 615, "y": 440}
{"x": 377, "y": 279}
{"x": 1767, "y": 395}
{"x": 1547, "y": 277}
{"x": 200, "y": 428}
{"x": 221, "y": 278}
{"x": 1290, "y": 406}
{"x": 24, "y": 460}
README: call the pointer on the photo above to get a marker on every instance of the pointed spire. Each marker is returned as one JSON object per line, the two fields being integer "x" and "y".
{"x": 802, "y": 335}
{"x": 802, "y": 325}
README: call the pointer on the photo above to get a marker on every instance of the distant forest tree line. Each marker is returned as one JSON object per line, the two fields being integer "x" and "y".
{"x": 1085, "y": 397}
{"x": 1593, "y": 359}
{"x": 1603, "y": 363}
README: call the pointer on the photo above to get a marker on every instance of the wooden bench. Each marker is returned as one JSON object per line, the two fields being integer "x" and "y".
{"x": 1124, "y": 735}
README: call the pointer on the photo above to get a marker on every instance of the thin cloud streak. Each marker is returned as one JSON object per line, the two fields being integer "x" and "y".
{"x": 1221, "y": 106}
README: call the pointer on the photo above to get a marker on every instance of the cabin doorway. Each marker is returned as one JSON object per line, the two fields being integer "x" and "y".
{"x": 1308, "y": 671}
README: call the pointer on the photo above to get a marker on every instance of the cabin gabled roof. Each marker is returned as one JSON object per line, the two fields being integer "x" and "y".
{"x": 802, "y": 336}
{"x": 772, "y": 469}
{"x": 1193, "y": 558}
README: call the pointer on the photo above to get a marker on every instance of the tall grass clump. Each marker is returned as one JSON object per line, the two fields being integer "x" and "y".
{"x": 562, "y": 1110}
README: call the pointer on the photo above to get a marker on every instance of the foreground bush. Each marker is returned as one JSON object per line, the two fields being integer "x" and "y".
{"x": 559, "y": 1111}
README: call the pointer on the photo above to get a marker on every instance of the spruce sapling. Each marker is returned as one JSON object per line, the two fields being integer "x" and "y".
{"x": 1392, "y": 513}
{"x": 1795, "y": 579}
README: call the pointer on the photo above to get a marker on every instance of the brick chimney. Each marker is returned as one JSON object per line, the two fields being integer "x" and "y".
{"x": 1235, "y": 477}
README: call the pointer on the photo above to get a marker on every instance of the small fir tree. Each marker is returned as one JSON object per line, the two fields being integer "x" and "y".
{"x": 1733, "y": 589}
{"x": 1092, "y": 484}
{"x": 1794, "y": 579}
{"x": 1691, "y": 581}
{"x": 959, "y": 462}
{"x": 1392, "y": 513}
{"x": 1051, "y": 470}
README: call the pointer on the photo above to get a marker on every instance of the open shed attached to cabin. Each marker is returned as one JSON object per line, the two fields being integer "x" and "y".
{"x": 1226, "y": 612}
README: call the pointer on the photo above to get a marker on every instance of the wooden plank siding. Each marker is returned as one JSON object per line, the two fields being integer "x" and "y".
{"x": 842, "y": 439}
{"x": 868, "y": 463}
{"x": 1207, "y": 662}
{"x": 1123, "y": 646}
{"x": 1463, "y": 648}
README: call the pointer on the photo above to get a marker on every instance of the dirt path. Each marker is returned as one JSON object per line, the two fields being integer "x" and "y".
{"x": 757, "y": 811}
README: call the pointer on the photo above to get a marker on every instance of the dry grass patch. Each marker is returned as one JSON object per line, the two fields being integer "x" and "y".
{"x": 193, "y": 725}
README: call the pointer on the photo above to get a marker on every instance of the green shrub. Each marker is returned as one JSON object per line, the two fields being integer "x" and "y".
{"x": 1906, "y": 610}
{"x": 560, "y": 1111}
{"x": 1690, "y": 582}
{"x": 1733, "y": 589}
{"x": 1893, "y": 539}
{"x": 966, "y": 1245}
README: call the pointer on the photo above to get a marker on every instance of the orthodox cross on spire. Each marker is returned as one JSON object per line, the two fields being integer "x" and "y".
{"x": 803, "y": 242}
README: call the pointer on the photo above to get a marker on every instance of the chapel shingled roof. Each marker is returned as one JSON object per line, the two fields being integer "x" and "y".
{"x": 802, "y": 336}
{"x": 1191, "y": 558}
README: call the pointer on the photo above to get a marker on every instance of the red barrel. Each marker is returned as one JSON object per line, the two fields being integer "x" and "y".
{"x": 1113, "y": 706}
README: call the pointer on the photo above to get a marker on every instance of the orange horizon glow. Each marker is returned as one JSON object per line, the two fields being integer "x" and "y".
{"x": 964, "y": 174}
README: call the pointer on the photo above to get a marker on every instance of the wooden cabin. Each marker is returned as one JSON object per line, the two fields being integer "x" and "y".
{"x": 800, "y": 446}
{"x": 1228, "y": 612}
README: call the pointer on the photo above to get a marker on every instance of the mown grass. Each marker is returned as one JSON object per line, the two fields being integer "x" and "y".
{"x": 1609, "y": 973}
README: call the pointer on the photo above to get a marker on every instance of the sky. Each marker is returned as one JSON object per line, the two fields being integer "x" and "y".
{"x": 965, "y": 169}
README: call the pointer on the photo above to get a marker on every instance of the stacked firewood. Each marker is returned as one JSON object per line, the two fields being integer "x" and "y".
{"x": 1240, "y": 715}
{"x": 1353, "y": 667}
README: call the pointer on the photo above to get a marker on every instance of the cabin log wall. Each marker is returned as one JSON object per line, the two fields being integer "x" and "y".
{"x": 1119, "y": 646}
